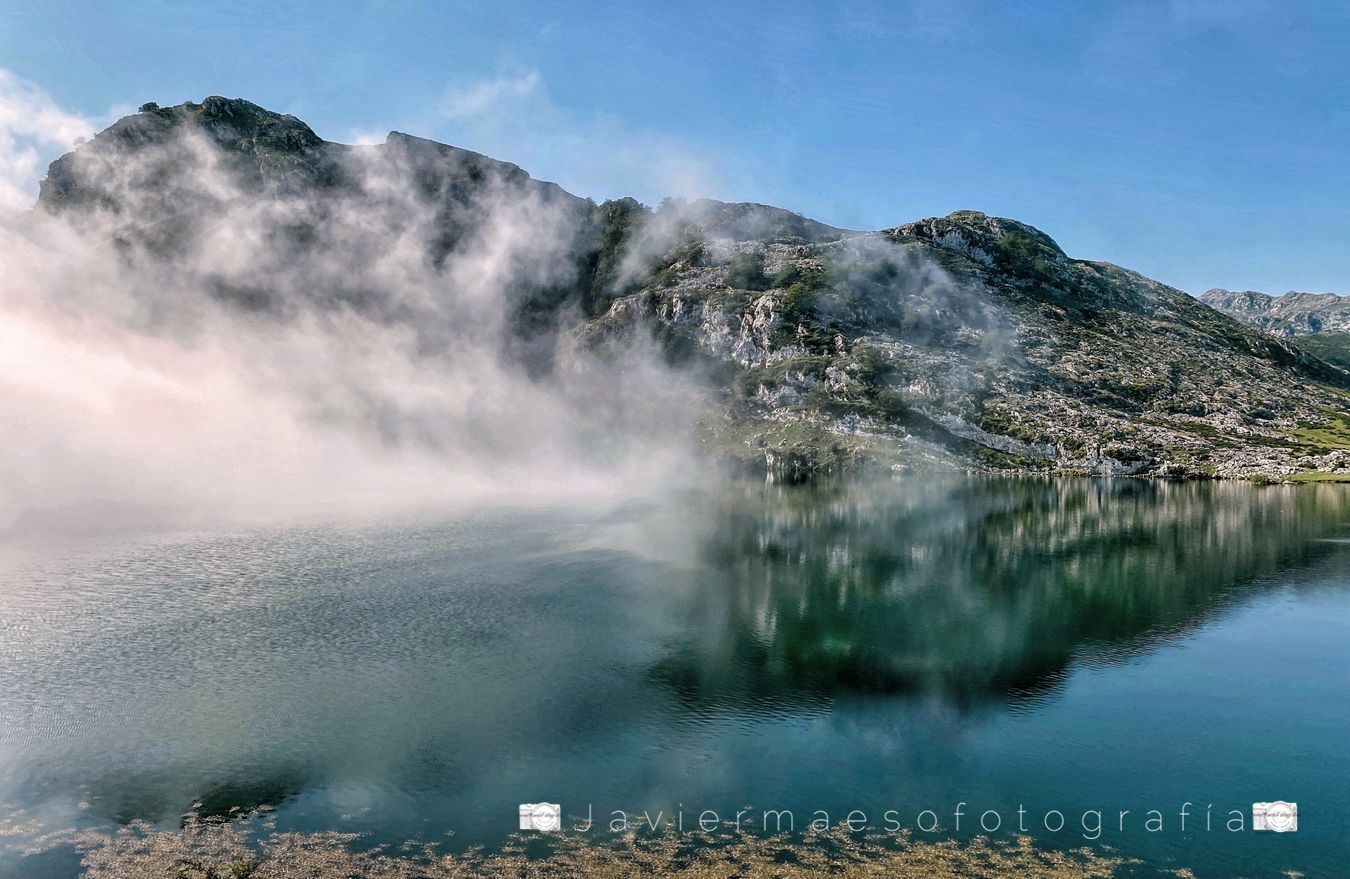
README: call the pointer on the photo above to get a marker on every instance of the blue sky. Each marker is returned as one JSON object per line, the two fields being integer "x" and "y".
{"x": 1202, "y": 143}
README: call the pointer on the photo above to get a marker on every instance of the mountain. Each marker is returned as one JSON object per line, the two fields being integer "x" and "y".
{"x": 1317, "y": 322}
{"x": 1293, "y": 314}
{"x": 957, "y": 341}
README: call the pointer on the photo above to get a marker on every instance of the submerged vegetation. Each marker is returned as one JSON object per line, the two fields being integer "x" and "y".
{"x": 215, "y": 851}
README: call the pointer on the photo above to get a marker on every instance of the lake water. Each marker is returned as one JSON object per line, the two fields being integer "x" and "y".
{"x": 872, "y": 645}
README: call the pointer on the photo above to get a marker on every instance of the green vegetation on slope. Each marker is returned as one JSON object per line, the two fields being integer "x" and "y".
{"x": 1334, "y": 348}
{"x": 1330, "y": 435}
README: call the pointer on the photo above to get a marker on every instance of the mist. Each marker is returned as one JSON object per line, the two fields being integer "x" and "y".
{"x": 191, "y": 344}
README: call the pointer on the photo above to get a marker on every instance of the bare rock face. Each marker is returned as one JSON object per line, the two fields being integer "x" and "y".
{"x": 960, "y": 341}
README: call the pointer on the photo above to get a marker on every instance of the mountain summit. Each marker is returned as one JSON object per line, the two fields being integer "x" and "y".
{"x": 958, "y": 341}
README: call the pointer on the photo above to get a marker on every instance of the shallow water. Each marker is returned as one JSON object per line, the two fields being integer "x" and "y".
{"x": 906, "y": 645}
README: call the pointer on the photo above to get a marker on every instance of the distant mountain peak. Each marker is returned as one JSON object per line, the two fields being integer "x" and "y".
{"x": 1319, "y": 321}
{"x": 1331, "y": 300}
{"x": 1231, "y": 302}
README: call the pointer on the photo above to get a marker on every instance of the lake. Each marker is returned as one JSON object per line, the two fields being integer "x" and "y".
{"x": 885, "y": 646}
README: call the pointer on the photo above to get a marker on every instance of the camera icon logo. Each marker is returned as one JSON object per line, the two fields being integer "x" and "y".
{"x": 1277, "y": 816}
{"x": 541, "y": 816}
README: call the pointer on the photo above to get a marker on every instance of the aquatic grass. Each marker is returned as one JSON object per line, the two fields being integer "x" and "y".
{"x": 229, "y": 851}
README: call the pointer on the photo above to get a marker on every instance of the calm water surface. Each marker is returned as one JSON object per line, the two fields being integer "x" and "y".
{"x": 872, "y": 645}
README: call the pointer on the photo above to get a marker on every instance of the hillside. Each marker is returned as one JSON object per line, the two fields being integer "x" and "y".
{"x": 958, "y": 341}
{"x": 1319, "y": 323}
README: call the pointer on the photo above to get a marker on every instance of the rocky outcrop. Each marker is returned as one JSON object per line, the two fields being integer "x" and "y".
{"x": 977, "y": 341}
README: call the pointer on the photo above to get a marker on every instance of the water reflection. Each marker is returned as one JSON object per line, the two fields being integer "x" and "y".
{"x": 969, "y": 589}
{"x": 757, "y": 643}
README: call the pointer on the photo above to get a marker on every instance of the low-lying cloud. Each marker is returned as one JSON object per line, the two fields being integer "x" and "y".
{"x": 270, "y": 353}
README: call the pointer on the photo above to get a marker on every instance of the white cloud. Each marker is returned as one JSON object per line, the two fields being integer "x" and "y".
{"x": 474, "y": 99}
{"x": 364, "y": 137}
{"x": 513, "y": 117}
{"x": 33, "y": 130}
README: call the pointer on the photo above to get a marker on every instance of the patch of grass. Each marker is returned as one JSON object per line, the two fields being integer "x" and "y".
{"x": 1319, "y": 476}
{"x": 1334, "y": 348}
{"x": 1331, "y": 435}
{"x": 1197, "y": 429}
{"x": 1020, "y": 252}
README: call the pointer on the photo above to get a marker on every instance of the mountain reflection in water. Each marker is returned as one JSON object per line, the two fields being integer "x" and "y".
{"x": 875, "y": 643}
{"x": 970, "y": 589}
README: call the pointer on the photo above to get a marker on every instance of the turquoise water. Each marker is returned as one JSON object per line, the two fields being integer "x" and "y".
{"x": 882, "y": 646}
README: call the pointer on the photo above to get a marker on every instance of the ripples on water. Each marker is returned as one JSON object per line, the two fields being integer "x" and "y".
{"x": 904, "y": 642}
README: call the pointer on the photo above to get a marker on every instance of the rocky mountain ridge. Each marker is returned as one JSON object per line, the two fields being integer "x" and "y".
{"x": 958, "y": 341}
{"x": 1291, "y": 314}
{"x": 1319, "y": 323}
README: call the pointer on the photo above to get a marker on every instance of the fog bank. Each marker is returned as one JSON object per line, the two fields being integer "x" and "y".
{"x": 184, "y": 343}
